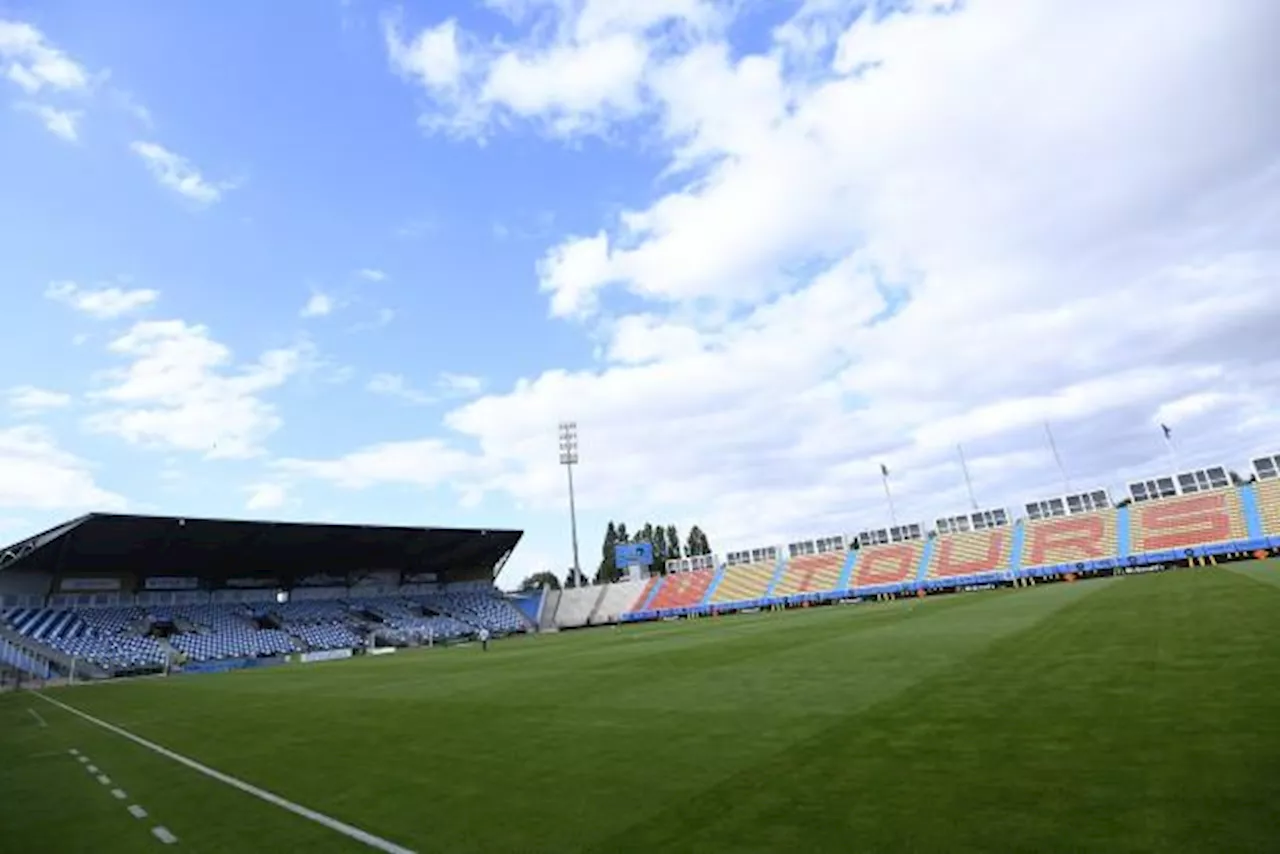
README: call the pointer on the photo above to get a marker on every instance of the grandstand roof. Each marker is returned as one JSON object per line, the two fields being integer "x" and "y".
{"x": 100, "y": 543}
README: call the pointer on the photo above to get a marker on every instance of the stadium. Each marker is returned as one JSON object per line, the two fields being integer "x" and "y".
{"x": 1121, "y": 708}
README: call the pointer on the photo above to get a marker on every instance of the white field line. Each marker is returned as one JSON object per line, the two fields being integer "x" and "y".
{"x": 39, "y": 720}
{"x": 319, "y": 818}
{"x": 163, "y": 834}
{"x": 84, "y": 760}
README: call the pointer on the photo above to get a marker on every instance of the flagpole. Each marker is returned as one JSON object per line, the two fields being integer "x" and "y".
{"x": 968, "y": 482}
{"x": 1057, "y": 458}
{"x": 1173, "y": 449}
{"x": 888, "y": 496}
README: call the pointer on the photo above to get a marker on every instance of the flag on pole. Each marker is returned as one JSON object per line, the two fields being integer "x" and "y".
{"x": 888, "y": 496}
{"x": 1173, "y": 448}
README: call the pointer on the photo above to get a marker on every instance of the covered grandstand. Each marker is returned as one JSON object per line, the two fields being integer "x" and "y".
{"x": 108, "y": 594}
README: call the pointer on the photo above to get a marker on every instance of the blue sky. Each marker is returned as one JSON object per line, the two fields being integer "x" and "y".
{"x": 353, "y": 261}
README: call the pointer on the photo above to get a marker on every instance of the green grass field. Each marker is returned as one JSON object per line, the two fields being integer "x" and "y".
{"x": 1136, "y": 714}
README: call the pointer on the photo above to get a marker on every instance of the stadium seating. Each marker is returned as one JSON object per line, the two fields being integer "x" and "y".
{"x": 647, "y": 595}
{"x": 811, "y": 574}
{"x": 483, "y": 610}
{"x": 44, "y": 625}
{"x": 888, "y": 565}
{"x": 1186, "y": 521}
{"x": 420, "y": 630}
{"x": 209, "y": 618}
{"x": 385, "y": 607}
{"x": 326, "y": 636}
{"x": 86, "y": 635}
{"x": 683, "y": 589}
{"x": 315, "y": 611}
{"x": 119, "y": 638}
{"x": 744, "y": 583}
{"x": 235, "y": 643}
{"x": 109, "y": 621}
{"x": 970, "y": 553}
{"x": 1069, "y": 539}
{"x": 113, "y": 652}
{"x": 1268, "y": 492}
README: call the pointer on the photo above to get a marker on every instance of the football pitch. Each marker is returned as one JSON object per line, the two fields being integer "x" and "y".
{"x": 1130, "y": 714}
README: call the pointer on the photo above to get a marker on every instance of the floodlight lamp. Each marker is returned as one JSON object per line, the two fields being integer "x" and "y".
{"x": 568, "y": 442}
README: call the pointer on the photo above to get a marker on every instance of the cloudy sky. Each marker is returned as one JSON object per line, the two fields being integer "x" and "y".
{"x": 353, "y": 261}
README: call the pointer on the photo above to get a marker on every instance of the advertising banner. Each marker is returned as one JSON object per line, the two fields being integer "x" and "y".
{"x": 324, "y": 655}
{"x": 369, "y": 578}
{"x": 252, "y": 582}
{"x": 322, "y": 580}
{"x": 89, "y": 584}
{"x": 171, "y": 582}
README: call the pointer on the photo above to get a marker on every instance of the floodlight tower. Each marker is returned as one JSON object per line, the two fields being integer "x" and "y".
{"x": 569, "y": 459}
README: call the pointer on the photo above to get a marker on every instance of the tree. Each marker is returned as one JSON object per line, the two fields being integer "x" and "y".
{"x": 539, "y": 580}
{"x": 608, "y": 570}
{"x": 660, "y": 546}
{"x": 665, "y": 541}
{"x": 697, "y": 544}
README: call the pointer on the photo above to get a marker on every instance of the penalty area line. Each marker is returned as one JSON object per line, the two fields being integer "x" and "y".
{"x": 319, "y": 818}
{"x": 43, "y": 724}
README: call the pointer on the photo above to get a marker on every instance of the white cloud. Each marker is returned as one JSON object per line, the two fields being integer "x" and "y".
{"x": 178, "y": 174}
{"x": 34, "y": 64}
{"x": 182, "y": 391}
{"x": 318, "y": 305}
{"x": 131, "y": 105}
{"x": 1207, "y": 405}
{"x": 433, "y": 56}
{"x": 104, "y": 303}
{"x": 878, "y": 239}
{"x": 63, "y": 124}
{"x": 582, "y": 64}
{"x": 266, "y": 496}
{"x": 369, "y": 274}
{"x": 448, "y": 386}
{"x": 460, "y": 385}
{"x": 35, "y": 474}
{"x": 427, "y": 463}
{"x": 569, "y": 82}
{"x": 30, "y": 399}
{"x": 394, "y": 385}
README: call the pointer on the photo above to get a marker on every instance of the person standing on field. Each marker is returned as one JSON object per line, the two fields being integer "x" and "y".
{"x": 484, "y": 639}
